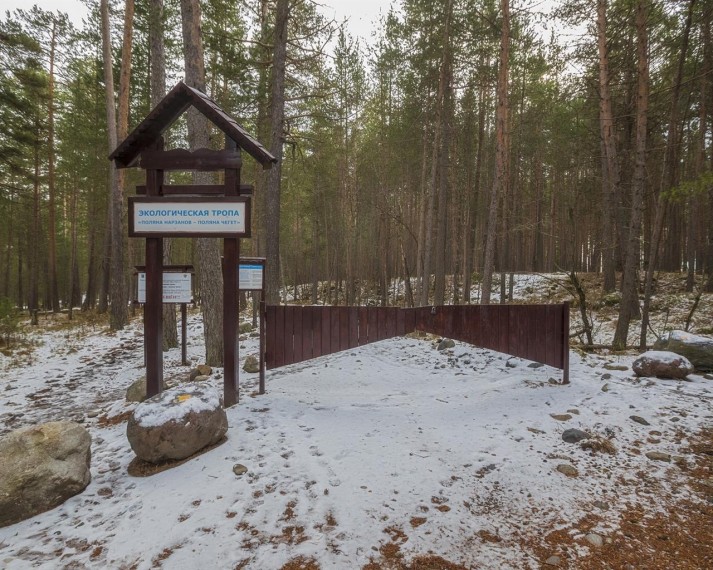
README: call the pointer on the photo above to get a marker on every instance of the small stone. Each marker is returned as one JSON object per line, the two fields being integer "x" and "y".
{"x": 446, "y": 343}
{"x": 639, "y": 420}
{"x": 204, "y": 370}
{"x": 708, "y": 376}
{"x": 567, "y": 470}
{"x": 659, "y": 456}
{"x": 553, "y": 561}
{"x": 574, "y": 411}
{"x": 620, "y": 367}
{"x": 553, "y": 381}
{"x": 252, "y": 364}
{"x": 561, "y": 417}
{"x": 239, "y": 469}
{"x": 594, "y": 540}
{"x": 605, "y": 388}
{"x": 601, "y": 505}
{"x": 574, "y": 435}
{"x": 511, "y": 364}
{"x": 606, "y": 376}
{"x": 201, "y": 378}
{"x": 535, "y": 365}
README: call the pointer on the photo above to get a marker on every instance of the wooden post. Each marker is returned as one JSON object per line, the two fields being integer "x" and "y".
{"x": 565, "y": 344}
{"x": 184, "y": 335}
{"x": 231, "y": 309}
{"x": 262, "y": 339}
{"x": 153, "y": 310}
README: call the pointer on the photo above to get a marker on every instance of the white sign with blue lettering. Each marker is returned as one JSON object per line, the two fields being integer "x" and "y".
{"x": 188, "y": 217}
{"x": 250, "y": 277}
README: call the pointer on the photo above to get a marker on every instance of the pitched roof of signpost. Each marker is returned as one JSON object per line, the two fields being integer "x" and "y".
{"x": 171, "y": 107}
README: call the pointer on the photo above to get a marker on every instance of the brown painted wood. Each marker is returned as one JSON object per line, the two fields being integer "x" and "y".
{"x": 326, "y": 331}
{"x": 565, "y": 343}
{"x": 288, "y": 334}
{"x": 280, "y": 337}
{"x": 363, "y": 326}
{"x": 270, "y": 336}
{"x": 231, "y": 310}
{"x": 202, "y": 159}
{"x": 194, "y": 189}
{"x": 298, "y": 335}
{"x": 353, "y": 326}
{"x": 400, "y": 322}
{"x": 307, "y": 332}
{"x": 373, "y": 324}
{"x": 409, "y": 320}
{"x": 153, "y": 316}
{"x": 334, "y": 330}
{"x": 343, "y": 328}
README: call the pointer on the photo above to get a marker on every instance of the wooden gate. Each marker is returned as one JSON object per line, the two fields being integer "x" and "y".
{"x": 535, "y": 332}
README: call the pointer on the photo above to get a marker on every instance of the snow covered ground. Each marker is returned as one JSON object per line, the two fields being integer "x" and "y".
{"x": 395, "y": 444}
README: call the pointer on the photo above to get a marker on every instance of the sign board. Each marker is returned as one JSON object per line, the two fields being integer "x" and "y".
{"x": 251, "y": 274}
{"x": 189, "y": 217}
{"x": 176, "y": 288}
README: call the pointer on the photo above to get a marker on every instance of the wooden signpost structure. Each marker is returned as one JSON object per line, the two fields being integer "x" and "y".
{"x": 216, "y": 210}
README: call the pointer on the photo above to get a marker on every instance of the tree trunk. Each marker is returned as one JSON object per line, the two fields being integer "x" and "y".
{"x": 52, "y": 208}
{"x": 117, "y": 291}
{"x": 501, "y": 154}
{"x": 630, "y": 279}
{"x": 668, "y": 178}
{"x": 611, "y": 178}
{"x": 207, "y": 251}
{"x": 277, "y": 135}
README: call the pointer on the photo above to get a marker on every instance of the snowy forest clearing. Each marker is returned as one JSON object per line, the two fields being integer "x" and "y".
{"x": 373, "y": 458}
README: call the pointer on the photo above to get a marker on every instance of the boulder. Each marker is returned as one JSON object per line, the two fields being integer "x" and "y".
{"x": 252, "y": 364}
{"x": 137, "y": 391}
{"x": 697, "y": 349}
{"x": 245, "y": 328}
{"x": 177, "y": 423}
{"x": 662, "y": 364}
{"x": 41, "y": 467}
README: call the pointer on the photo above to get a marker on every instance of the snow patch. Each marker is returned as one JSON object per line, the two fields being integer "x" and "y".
{"x": 175, "y": 404}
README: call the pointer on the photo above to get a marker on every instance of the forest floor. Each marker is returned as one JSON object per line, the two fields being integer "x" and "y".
{"x": 390, "y": 456}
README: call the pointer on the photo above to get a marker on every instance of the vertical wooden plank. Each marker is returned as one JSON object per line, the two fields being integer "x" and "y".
{"x": 343, "y": 328}
{"x": 373, "y": 324}
{"x": 551, "y": 322}
{"x": 298, "y": 313}
{"x": 288, "y": 335}
{"x": 363, "y": 326}
{"x": 307, "y": 332}
{"x": 270, "y": 337}
{"x": 559, "y": 339}
{"x": 409, "y": 320}
{"x": 400, "y": 322}
{"x": 565, "y": 343}
{"x": 390, "y": 317}
{"x": 326, "y": 331}
{"x": 538, "y": 337}
{"x": 279, "y": 336}
{"x": 333, "y": 330}
{"x": 316, "y": 331}
{"x": 353, "y": 327}
{"x": 381, "y": 320}
{"x": 505, "y": 332}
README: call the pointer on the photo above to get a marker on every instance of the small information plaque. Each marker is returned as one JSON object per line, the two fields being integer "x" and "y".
{"x": 176, "y": 288}
{"x": 251, "y": 274}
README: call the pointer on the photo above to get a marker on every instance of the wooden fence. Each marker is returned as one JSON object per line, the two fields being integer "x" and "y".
{"x": 534, "y": 332}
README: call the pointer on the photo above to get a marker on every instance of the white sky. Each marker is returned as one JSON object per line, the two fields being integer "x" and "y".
{"x": 362, "y": 14}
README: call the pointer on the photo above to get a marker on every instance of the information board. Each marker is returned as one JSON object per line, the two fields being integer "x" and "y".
{"x": 176, "y": 288}
{"x": 251, "y": 276}
{"x": 226, "y": 217}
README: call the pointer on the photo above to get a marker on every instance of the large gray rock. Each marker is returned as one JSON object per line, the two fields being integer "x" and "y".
{"x": 41, "y": 467}
{"x": 662, "y": 364}
{"x": 698, "y": 349}
{"x": 177, "y": 423}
